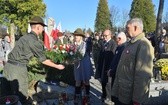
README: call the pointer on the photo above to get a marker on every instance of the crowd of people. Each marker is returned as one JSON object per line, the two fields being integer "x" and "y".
{"x": 5, "y": 48}
{"x": 162, "y": 42}
{"x": 127, "y": 58}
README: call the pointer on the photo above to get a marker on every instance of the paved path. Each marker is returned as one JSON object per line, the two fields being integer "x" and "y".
{"x": 158, "y": 93}
{"x": 96, "y": 93}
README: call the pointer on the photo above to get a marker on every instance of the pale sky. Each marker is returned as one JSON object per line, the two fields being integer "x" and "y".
{"x": 82, "y": 13}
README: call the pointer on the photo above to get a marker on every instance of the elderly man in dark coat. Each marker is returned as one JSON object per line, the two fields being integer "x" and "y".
{"x": 104, "y": 61}
{"x": 121, "y": 40}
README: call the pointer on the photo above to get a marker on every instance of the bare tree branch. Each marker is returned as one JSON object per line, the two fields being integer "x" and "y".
{"x": 124, "y": 17}
{"x": 165, "y": 18}
{"x": 115, "y": 16}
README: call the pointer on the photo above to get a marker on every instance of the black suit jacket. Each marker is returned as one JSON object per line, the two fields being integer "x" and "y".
{"x": 104, "y": 61}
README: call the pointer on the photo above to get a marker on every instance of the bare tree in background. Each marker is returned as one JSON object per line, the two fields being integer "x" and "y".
{"x": 115, "y": 16}
{"x": 165, "y": 18}
{"x": 158, "y": 25}
{"x": 124, "y": 17}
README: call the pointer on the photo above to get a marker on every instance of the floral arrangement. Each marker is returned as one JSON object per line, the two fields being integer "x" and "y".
{"x": 163, "y": 65}
{"x": 64, "y": 53}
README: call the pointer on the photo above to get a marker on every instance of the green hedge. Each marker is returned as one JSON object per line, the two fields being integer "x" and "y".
{"x": 38, "y": 71}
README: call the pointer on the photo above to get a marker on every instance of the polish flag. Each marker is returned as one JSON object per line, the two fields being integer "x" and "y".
{"x": 7, "y": 30}
{"x": 46, "y": 38}
{"x": 54, "y": 33}
{"x": 59, "y": 28}
{"x": 29, "y": 28}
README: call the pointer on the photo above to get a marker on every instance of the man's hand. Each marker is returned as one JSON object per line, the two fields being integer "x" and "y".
{"x": 60, "y": 67}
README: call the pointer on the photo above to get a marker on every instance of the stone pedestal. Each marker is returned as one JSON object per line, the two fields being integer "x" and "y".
{"x": 53, "y": 93}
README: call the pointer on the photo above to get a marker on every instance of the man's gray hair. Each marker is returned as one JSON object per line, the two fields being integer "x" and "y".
{"x": 136, "y": 21}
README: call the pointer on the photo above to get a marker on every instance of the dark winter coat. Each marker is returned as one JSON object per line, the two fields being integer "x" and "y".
{"x": 104, "y": 61}
{"x": 134, "y": 71}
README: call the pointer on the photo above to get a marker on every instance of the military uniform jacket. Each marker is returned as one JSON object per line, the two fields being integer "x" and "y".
{"x": 26, "y": 47}
{"x": 134, "y": 71}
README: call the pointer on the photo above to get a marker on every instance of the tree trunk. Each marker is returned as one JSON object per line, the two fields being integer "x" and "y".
{"x": 158, "y": 26}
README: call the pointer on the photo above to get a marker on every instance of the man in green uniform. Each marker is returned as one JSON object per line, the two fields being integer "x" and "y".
{"x": 26, "y": 47}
